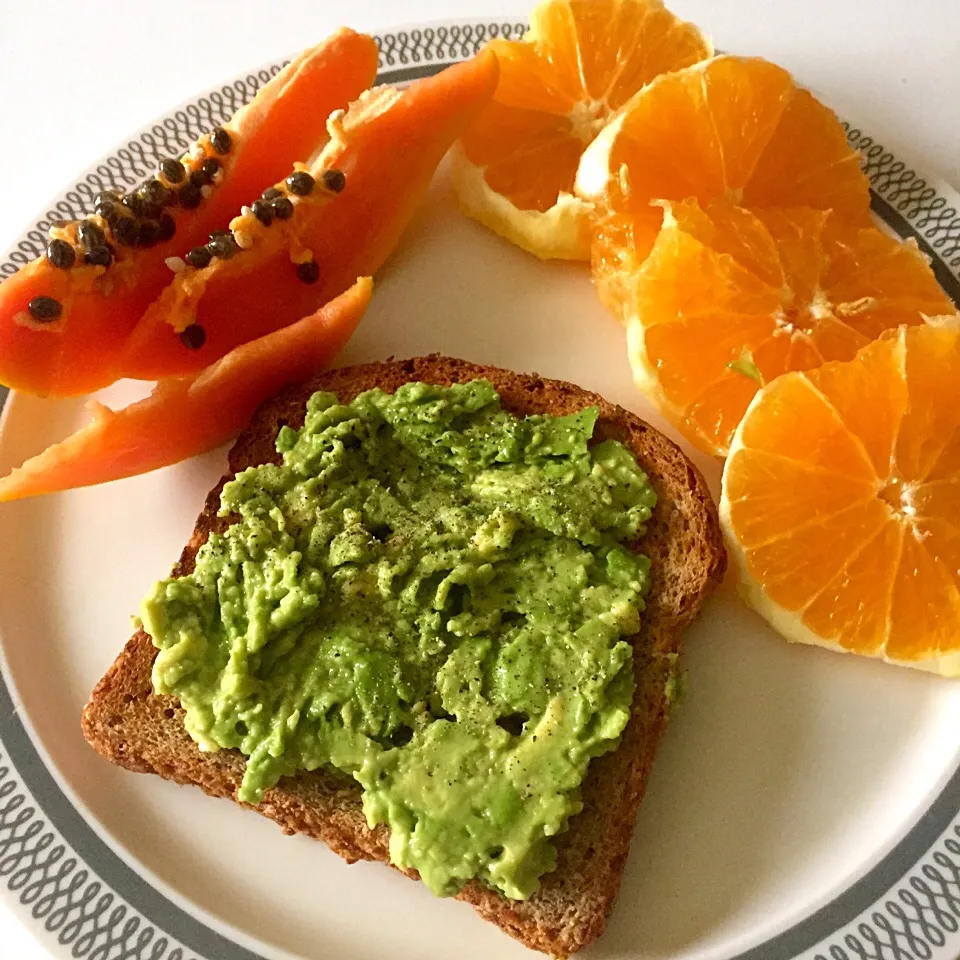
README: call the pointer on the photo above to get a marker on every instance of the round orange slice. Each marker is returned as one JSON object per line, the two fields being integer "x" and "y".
{"x": 841, "y": 501}
{"x": 729, "y": 128}
{"x": 729, "y": 299}
{"x": 579, "y": 63}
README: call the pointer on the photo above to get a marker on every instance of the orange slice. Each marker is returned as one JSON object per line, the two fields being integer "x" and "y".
{"x": 580, "y": 61}
{"x": 841, "y": 501}
{"x": 728, "y": 128}
{"x": 729, "y": 299}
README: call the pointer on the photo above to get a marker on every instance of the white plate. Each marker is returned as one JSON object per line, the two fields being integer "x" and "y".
{"x": 803, "y": 804}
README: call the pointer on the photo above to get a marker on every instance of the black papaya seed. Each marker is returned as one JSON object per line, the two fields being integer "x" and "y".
{"x": 222, "y": 245}
{"x": 173, "y": 170}
{"x": 44, "y": 309}
{"x": 334, "y": 180}
{"x": 190, "y": 196}
{"x": 99, "y": 256}
{"x": 309, "y": 271}
{"x": 61, "y": 254}
{"x": 261, "y": 210}
{"x": 148, "y": 233}
{"x": 134, "y": 204}
{"x": 282, "y": 208}
{"x": 300, "y": 183}
{"x": 168, "y": 227}
{"x": 199, "y": 257}
{"x": 220, "y": 140}
{"x": 90, "y": 235}
{"x": 153, "y": 191}
{"x": 125, "y": 231}
{"x": 193, "y": 337}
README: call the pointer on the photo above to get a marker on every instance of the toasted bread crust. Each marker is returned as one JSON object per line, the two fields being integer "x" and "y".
{"x": 129, "y": 725}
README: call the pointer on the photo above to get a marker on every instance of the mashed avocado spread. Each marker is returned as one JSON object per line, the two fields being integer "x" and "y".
{"x": 429, "y": 594}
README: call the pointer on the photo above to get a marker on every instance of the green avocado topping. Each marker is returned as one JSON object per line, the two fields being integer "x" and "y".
{"x": 429, "y": 594}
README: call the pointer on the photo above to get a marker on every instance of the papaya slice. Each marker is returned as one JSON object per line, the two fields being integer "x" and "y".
{"x": 382, "y": 154}
{"x": 185, "y": 416}
{"x": 65, "y": 317}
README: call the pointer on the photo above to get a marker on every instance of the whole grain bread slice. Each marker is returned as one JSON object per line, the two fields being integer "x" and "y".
{"x": 129, "y": 725}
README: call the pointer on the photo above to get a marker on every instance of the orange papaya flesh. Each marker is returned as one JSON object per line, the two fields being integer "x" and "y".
{"x": 186, "y": 416}
{"x": 388, "y": 145}
{"x": 99, "y": 306}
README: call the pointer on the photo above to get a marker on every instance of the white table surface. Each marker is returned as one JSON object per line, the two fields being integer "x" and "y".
{"x": 77, "y": 78}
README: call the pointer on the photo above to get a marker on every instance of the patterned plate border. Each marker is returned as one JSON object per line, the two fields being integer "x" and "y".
{"x": 73, "y": 890}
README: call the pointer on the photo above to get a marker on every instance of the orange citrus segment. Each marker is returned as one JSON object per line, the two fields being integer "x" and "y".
{"x": 925, "y": 607}
{"x": 841, "y": 501}
{"x": 794, "y": 568}
{"x": 532, "y": 140}
{"x": 869, "y": 399}
{"x": 928, "y": 438}
{"x": 808, "y": 162}
{"x": 730, "y": 128}
{"x": 559, "y": 86}
{"x": 839, "y": 612}
{"x": 784, "y": 289}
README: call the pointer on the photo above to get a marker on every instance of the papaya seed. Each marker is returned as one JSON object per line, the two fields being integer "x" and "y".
{"x": 44, "y": 309}
{"x": 334, "y": 180}
{"x": 300, "y": 183}
{"x": 308, "y": 271}
{"x": 193, "y": 337}
{"x": 190, "y": 196}
{"x": 61, "y": 254}
{"x": 199, "y": 257}
{"x": 90, "y": 235}
{"x": 282, "y": 208}
{"x": 168, "y": 227}
{"x": 220, "y": 140}
{"x": 261, "y": 210}
{"x": 101, "y": 256}
{"x": 172, "y": 170}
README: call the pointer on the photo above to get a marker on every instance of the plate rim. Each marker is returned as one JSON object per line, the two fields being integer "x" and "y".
{"x": 908, "y": 901}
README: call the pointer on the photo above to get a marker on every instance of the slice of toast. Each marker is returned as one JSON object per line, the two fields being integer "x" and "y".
{"x": 128, "y": 724}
